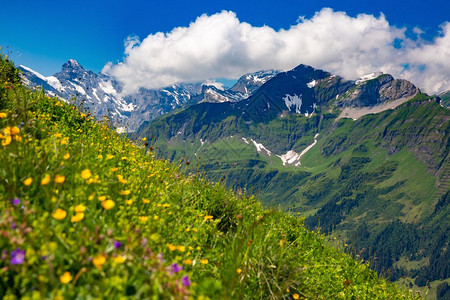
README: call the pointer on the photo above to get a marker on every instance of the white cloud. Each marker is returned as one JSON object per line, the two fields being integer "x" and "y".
{"x": 221, "y": 46}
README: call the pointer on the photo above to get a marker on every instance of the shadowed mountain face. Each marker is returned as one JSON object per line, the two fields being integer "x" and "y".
{"x": 365, "y": 159}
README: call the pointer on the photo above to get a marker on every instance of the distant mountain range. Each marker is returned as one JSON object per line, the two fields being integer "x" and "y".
{"x": 367, "y": 160}
{"x": 101, "y": 94}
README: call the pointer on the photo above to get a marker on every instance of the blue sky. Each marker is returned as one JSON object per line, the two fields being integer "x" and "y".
{"x": 45, "y": 34}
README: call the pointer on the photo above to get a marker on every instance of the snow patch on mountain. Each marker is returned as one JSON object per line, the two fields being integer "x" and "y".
{"x": 260, "y": 147}
{"x": 312, "y": 84}
{"x": 293, "y": 102}
{"x": 293, "y": 158}
{"x": 368, "y": 77}
{"x": 245, "y": 140}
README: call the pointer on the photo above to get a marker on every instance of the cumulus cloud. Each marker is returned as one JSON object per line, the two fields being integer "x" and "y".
{"x": 221, "y": 46}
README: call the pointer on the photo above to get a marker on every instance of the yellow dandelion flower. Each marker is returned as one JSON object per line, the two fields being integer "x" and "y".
{"x": 146, "y": 201}
{"x": 100, "y": 156}
{"x": 77, "y": 217}
{"x": 114, "y": 169}
{"x": 64, "y": 141}
{"x": 207, "y": 218}
{"x": 143, "y": 218}
{"x": 129, "y": 202}
{"x": 3, "y": 115}
{"x": 46, "y": 179}
{"x": 28, "y": 181}
{"x": 109, "y": 156}
{"x": 59, "y": 214}
{"x": 171, "y": 247}
{"x": 18, "y": 138}
{"x": 66, "y": 156}
{"x": 58, "y": 135}
{"x": 156, "y": 218}
{"x": 101, "y": 198}
{"x": 99, "y": 260}
{"x": 181, "y": 248}
{"x": 66, "y": 277}
{"x": 80, "y": 208}
{"x": 204, "y": 261}
{"x": 166, "y": 205}
{"x": 125, "y": 192}
{"x": 296, "y": 296}
{"x": 60, "y": 178}
{"x": 239, "y": 270}
{"x": 108, "y": 204}
{"x": 86, "y": 174}
{"x": 15, "y": 130}
{"x": 119, "y": 259}
{"x": 187, "y": 261}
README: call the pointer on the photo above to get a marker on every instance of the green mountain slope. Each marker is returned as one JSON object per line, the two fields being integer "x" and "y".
{"x": 87, "y": 214}
{"x": 365, "y": 180}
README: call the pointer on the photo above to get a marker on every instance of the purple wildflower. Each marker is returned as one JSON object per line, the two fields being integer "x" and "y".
{"x": 4, "y": 254}
{"x": 176, "y": 268}
{"x": 15, "y": 201}
{"x": 17, "y": 256}
{"x": 185, "y": 281}
{"x": 160, "y": 257}
{"x": 117, "y": 244}
{"x": 13, "y": 225}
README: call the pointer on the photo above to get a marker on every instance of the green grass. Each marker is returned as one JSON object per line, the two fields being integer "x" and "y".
{"x": 86, "y": 213}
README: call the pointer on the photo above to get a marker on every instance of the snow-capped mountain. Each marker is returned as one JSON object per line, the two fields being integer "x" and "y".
{"x": 101, "y": 94}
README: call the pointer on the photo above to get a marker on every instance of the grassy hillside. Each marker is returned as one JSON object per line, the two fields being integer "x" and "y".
{"x": 86, "y": 213}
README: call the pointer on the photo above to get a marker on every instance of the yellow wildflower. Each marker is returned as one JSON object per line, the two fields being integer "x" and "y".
{"x": 6, "y": 141}
{"x": 165, "y": 205}
{"x": 108, "y": 204}
{"x": 99, "y": 260}
{"x": 120, "y": 178}
{"x": 172, "y": 247}
{"x": 86, "y": 174}
{"x": 60, "y": 178}
{"x": 66, "y": 156}
{"x": 146, "y": 201}
{"x": 59, "y": 214}
{"x": 28, "y": 181}
{"x": 156, "y": 218}
{"x": 296, "y": 296}
{"x": 207, "y": 218}
{"x": 187, "y": 261}
{"x": 109, "y": 156}
{"x": 114, "y": 169}
{"x": 66, "y": 277}
{"x": 3, "y": 115}
{"x": 15, "y": 130}
{"x": 80, "y": 208}
{"x": 77, "y": 217}
{"x": 204, "y": 261}
{"x": 45, "y": 180}
{"x": 101, "y": 198}
{"x": 129, "y": 202}
{"x": 239, "y": 270}
{"x": 119, "y": 259}
{"x": 181, "y": 248}
{"x": 125, "y": 192}
{"x": 143, "y": 218}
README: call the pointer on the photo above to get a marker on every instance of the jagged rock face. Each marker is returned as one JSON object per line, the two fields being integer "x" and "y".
{"x": 376, "y": 91}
